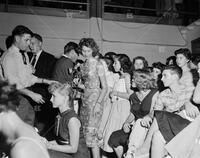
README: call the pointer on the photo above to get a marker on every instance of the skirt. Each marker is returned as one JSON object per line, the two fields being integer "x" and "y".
{"x": 170, "y": 124}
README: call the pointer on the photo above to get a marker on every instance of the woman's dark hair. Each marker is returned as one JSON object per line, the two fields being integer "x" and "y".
{"x": 144, "y": 79}
{"x": 125, "y": 62}
{"x": 64, "y": 90}
{"x": 184, "y": 51}
{"x": 159, "y": 66}
{"x": 109, "y": 61}
{"x": 110, "y": 55}
{"x": 195, "y": 58}
{"x": 169, "y": 59}
{"x": 90, "y": 42}
{"x": 145, "y": 63}
{"x": 8, "y": 97}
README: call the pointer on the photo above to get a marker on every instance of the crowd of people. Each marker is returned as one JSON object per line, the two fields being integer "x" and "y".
{"x": 125, "y": 108}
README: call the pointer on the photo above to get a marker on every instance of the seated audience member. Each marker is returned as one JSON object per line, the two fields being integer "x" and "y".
{"x": 193, "y": 65}
{"x": 139, "y": 62}
{"x": 111, "y": 78}
{"x": 193, "y": 61}
{"x": 17, "y": 70}
{"x": 171, "y": 60}
{"x": 119, "y": 95}
{"x": 21, "y": 138}
{"x": 157, "y": 73}
{"x": 170, "y": 114}
{"x": 63, "y": 71}
{"x": 142, "y": 103}
{"x": 186, "y": 143}
{"x": 183, "y": 56}
{"x": 196, "y": 95}
{"x": 69, "y": 141}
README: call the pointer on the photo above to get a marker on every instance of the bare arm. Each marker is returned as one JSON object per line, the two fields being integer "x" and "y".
{"x": 153, "y": 104}
{"x": 147, "y": 120}
{"x": 34, "y": 96}
{"x": 104, "y": 87}
{"x": 128, "y": 92}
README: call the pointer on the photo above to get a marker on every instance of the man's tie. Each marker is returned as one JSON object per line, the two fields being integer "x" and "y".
{"x": 23, "y": 56}
{"x": 33, "y": 60}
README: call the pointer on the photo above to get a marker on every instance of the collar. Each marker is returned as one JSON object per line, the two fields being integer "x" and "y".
{"x": 38, "y": 54}
{"x": 64, "y": 55}
{"x": 65, "y": 112}
{"x": 16, "y": 49}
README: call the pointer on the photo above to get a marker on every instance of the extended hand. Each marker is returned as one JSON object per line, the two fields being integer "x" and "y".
{"x": 191, "y": 110}
{"x": 37, "y": 98}
{"x": 126, "y": 127}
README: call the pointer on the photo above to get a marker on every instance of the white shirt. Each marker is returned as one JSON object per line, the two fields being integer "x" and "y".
{"x": 15, "y": 71}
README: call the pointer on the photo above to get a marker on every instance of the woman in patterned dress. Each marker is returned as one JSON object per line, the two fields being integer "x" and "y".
{"x": 95, "y": 89}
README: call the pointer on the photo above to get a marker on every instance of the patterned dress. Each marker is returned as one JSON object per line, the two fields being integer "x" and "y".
{"x": 91, "y": 71}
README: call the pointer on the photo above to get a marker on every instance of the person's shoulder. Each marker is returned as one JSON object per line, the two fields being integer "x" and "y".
{"x": 165, "y": 92}
{"x": 127, "y": 75}
{"x": 74, "y": 121}
{"x": 99, "y": 62}
{"x": 9, "y": 57}
{"x": 64, "y": 61}
{"x": 132, "y": 96}
{"x": 22, "y": 149}
{"x": 48, "y": 55}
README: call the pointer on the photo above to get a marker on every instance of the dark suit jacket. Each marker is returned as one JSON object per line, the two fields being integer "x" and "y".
{"x": 43, "y": 69}
{"x": 63, "y": 70}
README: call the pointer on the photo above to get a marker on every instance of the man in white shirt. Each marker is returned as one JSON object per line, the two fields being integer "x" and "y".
{"x": 17, "y": 70}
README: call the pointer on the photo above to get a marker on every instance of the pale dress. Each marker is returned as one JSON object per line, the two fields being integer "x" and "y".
{"x": 111, "y": 79}
{"x": 118, "y": 114}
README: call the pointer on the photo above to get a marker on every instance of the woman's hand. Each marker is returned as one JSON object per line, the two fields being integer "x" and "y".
{"x": 51, "y": 144}
{"x": 146, "y": 121}
{"x": 44, "y": 140}
{"x": 126, "y": 127}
